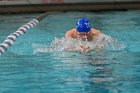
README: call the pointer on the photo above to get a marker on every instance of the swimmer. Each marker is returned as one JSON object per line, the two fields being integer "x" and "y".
{"x": 84, "y": 32}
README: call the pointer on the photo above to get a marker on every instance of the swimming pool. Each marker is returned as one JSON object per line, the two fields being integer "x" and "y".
{"x": 27, "y": 68}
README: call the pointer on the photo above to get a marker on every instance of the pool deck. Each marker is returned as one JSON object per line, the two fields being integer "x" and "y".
{"x": 99, "y": 6}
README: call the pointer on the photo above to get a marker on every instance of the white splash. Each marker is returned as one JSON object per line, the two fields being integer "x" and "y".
{"x": 108, "y": 43}
{"x": 99, "y": 43}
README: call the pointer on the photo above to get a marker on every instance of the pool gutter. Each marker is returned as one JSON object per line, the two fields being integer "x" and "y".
{"x": 98, "y": 6}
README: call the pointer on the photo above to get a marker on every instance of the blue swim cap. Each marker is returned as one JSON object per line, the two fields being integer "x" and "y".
{"x": 83, "y": 25}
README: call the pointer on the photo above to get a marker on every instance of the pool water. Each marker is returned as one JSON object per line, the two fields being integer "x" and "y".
{"x": 24, "y": 69}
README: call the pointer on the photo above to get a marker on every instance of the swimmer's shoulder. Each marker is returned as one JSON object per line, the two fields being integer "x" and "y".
{"x": 71, "y": 33}
{"x": 72, "y": 30}
{"x": 95, "y": 32}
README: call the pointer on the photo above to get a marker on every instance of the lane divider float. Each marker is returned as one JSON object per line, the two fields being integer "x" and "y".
{"x": 9, "y": 41}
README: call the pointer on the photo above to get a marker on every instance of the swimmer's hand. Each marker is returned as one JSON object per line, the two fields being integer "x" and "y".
{"x": 84, "y": 50}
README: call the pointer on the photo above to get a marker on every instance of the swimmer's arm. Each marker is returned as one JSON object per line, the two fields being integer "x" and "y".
{"x": 70, "y": 34}
{"x": 67, "y": 35}
{"x": 96, "y": 32}
{"x": 81, "y": 49}
{"x": 84, "y": 50}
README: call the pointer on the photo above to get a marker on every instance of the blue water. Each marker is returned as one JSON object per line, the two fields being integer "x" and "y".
{"x": 106, "y": 71}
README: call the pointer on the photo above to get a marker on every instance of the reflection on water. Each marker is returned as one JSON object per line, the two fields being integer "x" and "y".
{"x": 84, "y": 74}
{"x": 71, "y": 72}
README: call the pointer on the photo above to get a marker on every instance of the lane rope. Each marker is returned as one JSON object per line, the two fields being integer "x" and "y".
{"x": 9, "y": 41}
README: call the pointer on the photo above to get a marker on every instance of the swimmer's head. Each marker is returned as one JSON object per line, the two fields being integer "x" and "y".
{"x": 83, "y": 25}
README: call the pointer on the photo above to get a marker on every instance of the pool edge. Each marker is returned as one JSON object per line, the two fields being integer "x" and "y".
{"x": 98, "y": 6}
